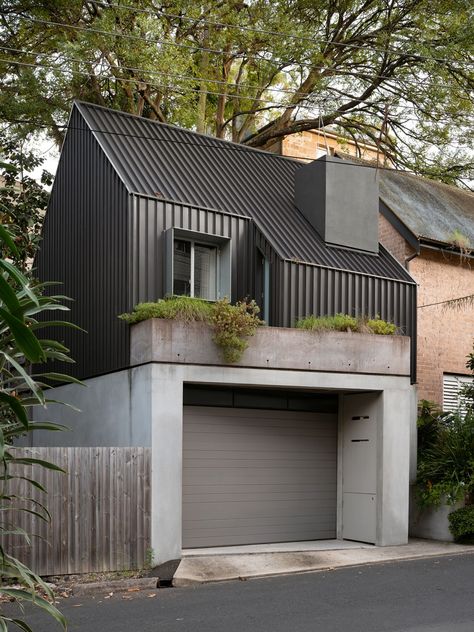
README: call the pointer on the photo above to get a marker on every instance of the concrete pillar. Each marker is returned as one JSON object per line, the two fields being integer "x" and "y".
{"x": 166, "y": 470}
{"x": 413, "y": 434}
{"x": 395, "y": 412}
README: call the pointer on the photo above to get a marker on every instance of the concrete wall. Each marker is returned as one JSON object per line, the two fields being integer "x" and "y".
{"x": 275, "y": 358}
{"x": 430, "y": 523}
{"x": 158, "y": 340}
{"x": 114, "y": 410}
{"x": 167, "y": 427}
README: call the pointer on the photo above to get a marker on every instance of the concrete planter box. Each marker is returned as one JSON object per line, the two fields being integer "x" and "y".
{"x": 431, "y": 523}
{"x": 160, "y": 340}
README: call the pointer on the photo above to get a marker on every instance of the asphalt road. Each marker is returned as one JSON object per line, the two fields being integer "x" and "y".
{"x": 432, "y": 595}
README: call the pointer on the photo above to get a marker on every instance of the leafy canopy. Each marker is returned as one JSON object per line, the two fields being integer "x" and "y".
{"x": 396, "y": 74}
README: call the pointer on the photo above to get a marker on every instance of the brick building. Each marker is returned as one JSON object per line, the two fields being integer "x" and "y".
{"x": 315, "y": 143}
{"x": 429, "y": 227}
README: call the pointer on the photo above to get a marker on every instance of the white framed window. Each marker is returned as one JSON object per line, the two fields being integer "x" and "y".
{"x": 453, "y": 385}
{"x": 197, "y": 265}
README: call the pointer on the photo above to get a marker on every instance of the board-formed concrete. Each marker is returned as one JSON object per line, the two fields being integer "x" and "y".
{"x": 159, "y": 340}
{"x": 167, "y": 431}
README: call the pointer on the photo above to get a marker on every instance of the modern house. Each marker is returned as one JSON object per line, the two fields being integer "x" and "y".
{"x": 428, "y": 226}
{"x": 308, "y": 435}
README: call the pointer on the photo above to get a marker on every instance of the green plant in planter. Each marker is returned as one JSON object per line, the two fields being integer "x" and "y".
{"x": 339, "y": 322}
{"x": 381, "y": 327}
{"x": 344, "y": 322}
{"x": 181, "y": 308}
{"x": 232, "y": 324}
{"x": 461, "y": 524}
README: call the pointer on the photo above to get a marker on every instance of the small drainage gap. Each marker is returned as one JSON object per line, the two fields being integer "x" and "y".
{"x": 165, "y": 583}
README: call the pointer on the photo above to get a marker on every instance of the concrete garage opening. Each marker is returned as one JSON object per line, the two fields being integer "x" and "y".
{"x": 259, "y": 466}
{"x": 317, "y": 388}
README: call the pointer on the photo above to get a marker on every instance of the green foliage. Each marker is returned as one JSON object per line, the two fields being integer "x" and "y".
{"x": 231, "y": 324}
{"x": 343, "y": 322}
{"x": 445, "y": 456}
{"x": 339, "y": 322}
{"x": 381, "y": 327}
{"x": 446, "y": 452}
{"x": 23, "y": 201}
{"x": 181, "y": 308}
{"x": 367, "y": 69}
{"x": 20, "y": 308}
{"x": 461, "y": 524}
{"x": 468, "y": 390}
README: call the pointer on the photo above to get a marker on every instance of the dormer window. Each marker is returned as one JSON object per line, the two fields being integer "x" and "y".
{"x": 197, "y": 265}
{"x": 195, "y": 269}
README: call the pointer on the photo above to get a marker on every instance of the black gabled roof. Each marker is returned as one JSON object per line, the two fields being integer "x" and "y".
{"x": 162, "y": 160}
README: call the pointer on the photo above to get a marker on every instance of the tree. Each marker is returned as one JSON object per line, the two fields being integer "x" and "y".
{"x": 394, "y": 73}
{"x": 20, "y": 388}
{"x": 23, "y": 200}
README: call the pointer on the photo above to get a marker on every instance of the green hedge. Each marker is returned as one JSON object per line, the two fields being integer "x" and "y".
{"x": 461, "y": 524}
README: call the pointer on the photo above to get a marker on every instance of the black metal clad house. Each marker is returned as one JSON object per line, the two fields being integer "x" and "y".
{"x": 138, "y": 206}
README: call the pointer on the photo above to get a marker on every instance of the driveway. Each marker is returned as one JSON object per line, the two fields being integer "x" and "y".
{"x": 429, "y": 595}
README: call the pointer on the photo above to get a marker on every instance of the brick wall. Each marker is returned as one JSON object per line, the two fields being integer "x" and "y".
{"x": 313, "y": 144}
{"x": 393, "y": 241}
{"x": 445, "y": 336}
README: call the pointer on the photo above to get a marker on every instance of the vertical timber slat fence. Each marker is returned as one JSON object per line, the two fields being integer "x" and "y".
{"x": 100, "y": 510}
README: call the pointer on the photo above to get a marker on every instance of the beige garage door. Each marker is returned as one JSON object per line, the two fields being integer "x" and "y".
{"x": 255, "y": 476}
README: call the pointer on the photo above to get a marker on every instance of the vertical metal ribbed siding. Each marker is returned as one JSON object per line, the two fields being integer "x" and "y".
{"x": 320, "y": 291}
{"x": 301, "y": 289}
{"x": 85, "y": 247}
{"x": 151, "y": 217}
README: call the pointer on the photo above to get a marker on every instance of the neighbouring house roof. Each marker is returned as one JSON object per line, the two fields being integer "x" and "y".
{"x": 165, "y": 161}
{"x": 430, "y": 210}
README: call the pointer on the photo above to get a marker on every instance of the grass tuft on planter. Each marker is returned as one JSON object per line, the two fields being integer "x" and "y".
{"x": 344, "y": 322}
{"x": 181, "y": 308}
{"x": 461, "y": 524}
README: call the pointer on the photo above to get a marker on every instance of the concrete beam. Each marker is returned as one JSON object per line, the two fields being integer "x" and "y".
{"x": 169, "y": 341}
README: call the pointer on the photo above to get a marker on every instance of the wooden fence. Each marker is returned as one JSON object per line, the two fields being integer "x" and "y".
{"x": 100, "y": 510}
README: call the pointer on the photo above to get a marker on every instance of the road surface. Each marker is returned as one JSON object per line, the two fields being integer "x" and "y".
{"x": 430, "y": 595}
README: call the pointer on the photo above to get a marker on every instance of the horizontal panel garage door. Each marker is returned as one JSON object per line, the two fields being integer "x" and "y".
{"x": 255, "y": 476}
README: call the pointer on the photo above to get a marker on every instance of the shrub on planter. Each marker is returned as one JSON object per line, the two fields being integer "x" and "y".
{"x": 461, "y": 524}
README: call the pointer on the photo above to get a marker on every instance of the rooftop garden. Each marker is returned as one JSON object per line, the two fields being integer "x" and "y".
{"x": 233, "y": 324}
